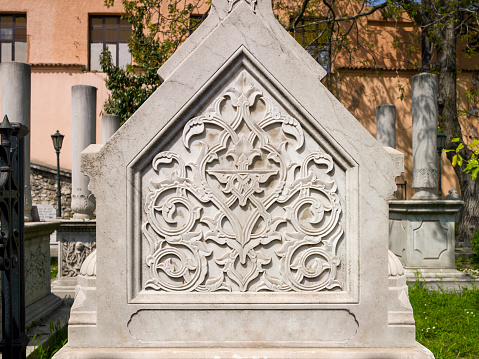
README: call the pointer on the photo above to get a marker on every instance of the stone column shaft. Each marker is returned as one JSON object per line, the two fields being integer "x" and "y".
{"x": 83, "y": 134}
{"x": 424, "y": 135}
{"x": 109, "y": 125}
{"x": 15, "y": 89}
{"x": 386, "y": 125}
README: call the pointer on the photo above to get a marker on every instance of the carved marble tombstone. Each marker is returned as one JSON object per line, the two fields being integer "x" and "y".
{"x": 242, "y": 211}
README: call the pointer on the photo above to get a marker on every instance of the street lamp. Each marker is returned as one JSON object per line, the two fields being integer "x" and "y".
{"x": 57, "y": 139}
{"x": 441, "y": 143}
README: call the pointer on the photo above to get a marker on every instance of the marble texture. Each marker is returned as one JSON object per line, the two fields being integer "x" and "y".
{"x": 109, "y": 125}
{"x": 386, "y": 125}
{"x": 424, "y": 136}
{"x": 39, "y": 300}
{"x": 83, "y": 134}
{"x": 421, "y": 234}
{"x": 15, "y": 90}
{"x": 76, "y": 240}
{"x": 238, "y": 207}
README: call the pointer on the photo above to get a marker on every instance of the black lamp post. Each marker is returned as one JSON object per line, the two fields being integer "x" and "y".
{"x": 441, "y": 143}
{"x": 57, "y": 139}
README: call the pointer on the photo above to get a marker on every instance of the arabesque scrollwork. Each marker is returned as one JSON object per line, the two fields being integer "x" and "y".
{"x": 243, "y": 216}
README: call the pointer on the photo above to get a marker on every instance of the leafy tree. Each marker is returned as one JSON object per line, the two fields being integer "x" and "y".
{"x": 158, "y": 28}
{"x": 333, "y": 31}
{"x": 443, "y": 23}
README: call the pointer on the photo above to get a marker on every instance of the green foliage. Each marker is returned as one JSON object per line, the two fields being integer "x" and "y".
{"x": 475, "y": 247}
{"x": 129, "y": 88}
{"x": 472, "y": 164}
{"x": 447, "y": 322}
{"x": 158, "y": 29}
{"x": 53, "y": 267}
{"x": 57, "y": 338}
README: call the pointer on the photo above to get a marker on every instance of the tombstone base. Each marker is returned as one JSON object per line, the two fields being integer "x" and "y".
{"x": 42, "y": 308}
{"x": 416, "y": 352}
{"x": 76, "y": 239}
{"x": 424, "y": 194}
{"x": 65, "y": 287}
{"x": 441, "y": 278}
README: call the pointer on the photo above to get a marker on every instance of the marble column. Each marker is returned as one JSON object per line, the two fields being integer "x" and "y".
{"x": 386, "y": 125}
{"x": 15, "y": 89}
{"x": 83, "y": 134}
{"x": 424, "y": 135}
{"x": 109, "y": 125}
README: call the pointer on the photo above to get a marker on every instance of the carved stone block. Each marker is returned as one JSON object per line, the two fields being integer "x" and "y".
{"x": 76, "y": 240}
{"x": 242, "y": 210}
{"x": 421, "y": 233}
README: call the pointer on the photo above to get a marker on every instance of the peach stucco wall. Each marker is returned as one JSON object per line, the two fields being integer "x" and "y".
{"x": 51, "y": 111}
{"x": 362, "y": 91}
{"x": 57, "y": 30}
{"x": 57, "y": 38}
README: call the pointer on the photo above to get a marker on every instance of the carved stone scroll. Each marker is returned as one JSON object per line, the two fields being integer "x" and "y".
{"x": 243, "y": 216}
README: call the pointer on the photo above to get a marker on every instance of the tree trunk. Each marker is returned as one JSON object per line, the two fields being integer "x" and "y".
{"x": 448, "y": 121}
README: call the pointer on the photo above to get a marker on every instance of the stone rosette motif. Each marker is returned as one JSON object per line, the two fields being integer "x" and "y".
{"x": 243, "y": 216}
{"x": 74, "y": 254}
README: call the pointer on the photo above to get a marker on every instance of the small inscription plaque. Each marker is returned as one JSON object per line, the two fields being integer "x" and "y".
{"x": 46, "y": 211}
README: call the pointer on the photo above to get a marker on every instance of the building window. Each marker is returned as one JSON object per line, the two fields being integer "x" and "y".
{"x": 13, "y": 38}
{"x": 310, "y": 37}
{"x": 195, "y": 22}
{"x": 110, "y": 32}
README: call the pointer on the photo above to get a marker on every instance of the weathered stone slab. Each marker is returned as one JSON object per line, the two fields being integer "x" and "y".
{"x": 76, "y": 240}
{"x": 242, "y": 206}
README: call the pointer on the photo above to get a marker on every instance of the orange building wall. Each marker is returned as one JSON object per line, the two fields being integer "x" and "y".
{"x": 57, "y": 38}
{"x": 361, "y": 91}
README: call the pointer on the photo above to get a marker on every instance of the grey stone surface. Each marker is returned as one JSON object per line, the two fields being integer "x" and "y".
{"x": 386, "y": 125}
{"x": 424, "y": 136}
{"x": 15, "y": 89}
{"x": 239, "y": 207}
{"x": 109, "y": 125}
{"x": 46, "y": 211}
{"x": 39, "y": 300}
{"x": 421, "y": 234}
{"x": 76, "y": 240}
{"x": 83, "y": 134}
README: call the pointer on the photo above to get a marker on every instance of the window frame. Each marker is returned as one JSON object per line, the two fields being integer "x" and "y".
{"x": 13, "y": 40}
{"x": 104, "y": 42}
{"x": 320, "y": 48}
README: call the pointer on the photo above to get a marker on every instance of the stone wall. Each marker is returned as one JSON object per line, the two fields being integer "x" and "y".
{"x": 43, "y": 180}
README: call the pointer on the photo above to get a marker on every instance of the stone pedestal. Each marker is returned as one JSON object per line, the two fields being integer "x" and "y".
{"x": 424, "y": 136}
{"x": 39, "y": 301}
{"x": 109, "y": 125}
{"x": 83, "y": 134}
{"x": 15, "y": 90}
{"x": 421, "y": 234}
{"x": 76, "y": 240}
{"x": 386, "y": 125}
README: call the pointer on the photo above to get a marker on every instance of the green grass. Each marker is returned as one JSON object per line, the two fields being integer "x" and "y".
{"x": 56, "y": 340}
{"x": 53, "y": 267}
{"x": 447, "y": 322}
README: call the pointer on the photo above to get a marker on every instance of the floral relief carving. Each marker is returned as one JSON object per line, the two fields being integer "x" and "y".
{"x": 36, "y": 272}
{"x": 83, "y": 204}
{"x": 74, "y": 254}
{"x": 243, "y": 215}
